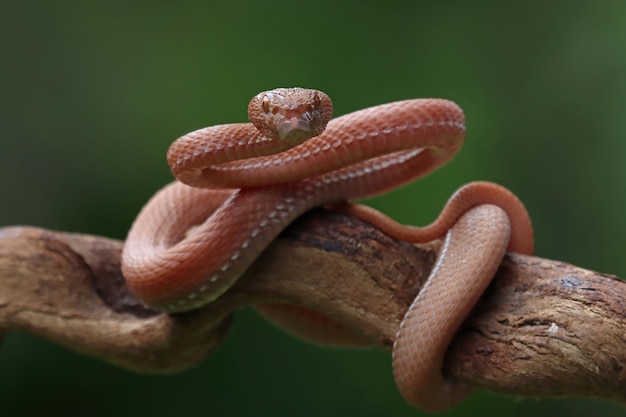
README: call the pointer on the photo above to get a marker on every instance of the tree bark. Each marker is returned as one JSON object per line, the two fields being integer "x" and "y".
{"x": 543, "y": 328}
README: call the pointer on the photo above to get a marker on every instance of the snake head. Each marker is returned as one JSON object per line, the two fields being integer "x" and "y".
{"x": 292, "y": 115}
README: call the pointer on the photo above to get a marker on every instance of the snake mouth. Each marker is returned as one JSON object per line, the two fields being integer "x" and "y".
{"x": 294, "y": 128}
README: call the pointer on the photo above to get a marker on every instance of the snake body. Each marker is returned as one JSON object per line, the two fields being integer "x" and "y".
{"x": 241, "y": 184}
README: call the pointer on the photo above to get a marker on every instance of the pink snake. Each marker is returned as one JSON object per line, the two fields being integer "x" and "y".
{"x": 241, "y": 185}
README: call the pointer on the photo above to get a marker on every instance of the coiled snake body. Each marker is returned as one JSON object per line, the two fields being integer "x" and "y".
{"x": 241, "y": 184}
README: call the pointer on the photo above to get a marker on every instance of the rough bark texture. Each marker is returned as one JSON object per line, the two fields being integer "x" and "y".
{"x": 544, "y": 328}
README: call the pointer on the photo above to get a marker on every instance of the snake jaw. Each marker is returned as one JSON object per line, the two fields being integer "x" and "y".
{"x": 295, "y": 128}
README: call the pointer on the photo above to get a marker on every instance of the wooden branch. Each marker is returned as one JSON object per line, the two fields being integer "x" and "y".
{"x": 544, "y": 328}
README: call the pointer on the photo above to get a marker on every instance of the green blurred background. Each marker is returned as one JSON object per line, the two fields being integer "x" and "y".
{"x": 92, "y": 94}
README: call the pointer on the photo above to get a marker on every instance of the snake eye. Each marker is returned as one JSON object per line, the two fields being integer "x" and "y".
{"x": 265, "y": 104}
{"x": 317, "y": 100}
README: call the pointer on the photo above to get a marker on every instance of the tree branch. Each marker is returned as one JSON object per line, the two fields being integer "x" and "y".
{"x": 544, "y": 328}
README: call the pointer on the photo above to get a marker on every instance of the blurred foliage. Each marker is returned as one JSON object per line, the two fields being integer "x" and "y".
{"x": 92, "y": 93}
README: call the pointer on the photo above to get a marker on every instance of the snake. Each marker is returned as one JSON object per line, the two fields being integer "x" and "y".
{"x": 240, "y": 184}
